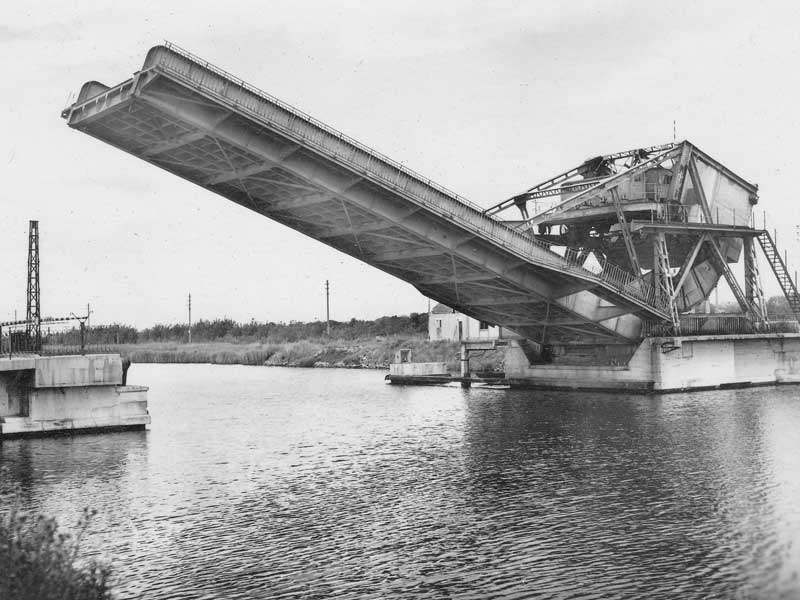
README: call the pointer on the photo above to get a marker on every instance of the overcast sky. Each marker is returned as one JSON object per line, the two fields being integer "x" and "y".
{"x": 485, "y": 98}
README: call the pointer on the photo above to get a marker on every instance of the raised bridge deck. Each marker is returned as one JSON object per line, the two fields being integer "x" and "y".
{"x": 192, "y": 119}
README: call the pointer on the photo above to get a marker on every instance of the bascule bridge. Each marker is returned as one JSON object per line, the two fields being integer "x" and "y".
{"x": 591, "y": 265}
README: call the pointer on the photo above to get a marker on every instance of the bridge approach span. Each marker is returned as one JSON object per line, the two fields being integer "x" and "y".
{"x": 200, "y": 123}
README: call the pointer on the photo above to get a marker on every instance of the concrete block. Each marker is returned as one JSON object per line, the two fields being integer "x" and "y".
{"x": 92, "y": 369}
{"x": 430, "y": 368}
{"x": 673, "y": 364}
{"x": 70, "y": 393}
{"x": 76, "y": 408}
{"x": 17, "y": 363}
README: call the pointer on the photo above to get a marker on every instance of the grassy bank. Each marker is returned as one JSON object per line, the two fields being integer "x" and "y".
{"x": 368, "y": 353}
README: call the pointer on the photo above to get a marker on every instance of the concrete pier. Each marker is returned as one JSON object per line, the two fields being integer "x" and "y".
{"x": 656, "y": 365}
{"x": 47, "y": 395}
{"x": 667, "y": 364}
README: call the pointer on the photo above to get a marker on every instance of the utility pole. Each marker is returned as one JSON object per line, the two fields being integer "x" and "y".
{"x": 88, "y": 314}
{"x": 328, "y": 306}
{"x": 190, "y": 317}
{"x": 33, "y": 313}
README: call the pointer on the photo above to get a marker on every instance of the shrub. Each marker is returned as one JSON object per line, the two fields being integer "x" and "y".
{"x": 38, "y": 562}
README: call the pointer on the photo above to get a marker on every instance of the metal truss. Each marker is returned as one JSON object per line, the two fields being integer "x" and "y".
{"x": 753, "y": 292}
{"x": 662, "y": 274}
{"x": 561, "y": 182}
{"x": 202, "y": 124}
{"x": 626, "y": 232}
{"x": 33, "y": 313}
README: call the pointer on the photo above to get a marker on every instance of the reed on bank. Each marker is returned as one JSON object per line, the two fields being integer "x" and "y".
{"x": 368, "y": 353}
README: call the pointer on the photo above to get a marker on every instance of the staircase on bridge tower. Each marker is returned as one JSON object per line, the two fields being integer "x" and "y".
{"x": 778, "y": 265}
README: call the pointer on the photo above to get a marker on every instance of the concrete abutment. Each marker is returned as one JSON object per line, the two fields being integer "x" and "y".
{"x": 57, "y": 394}
{"x": 666, "y": 364}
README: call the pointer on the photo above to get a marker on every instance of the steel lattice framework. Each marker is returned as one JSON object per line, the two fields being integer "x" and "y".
{"x": 33, "y": 312}
{"x": 624, "y": 246}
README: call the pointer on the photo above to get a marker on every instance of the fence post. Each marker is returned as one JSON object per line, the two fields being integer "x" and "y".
{"x": 83, "y": 338}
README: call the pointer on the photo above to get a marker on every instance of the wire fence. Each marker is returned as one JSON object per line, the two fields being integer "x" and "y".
{"x": 57, "y": 337}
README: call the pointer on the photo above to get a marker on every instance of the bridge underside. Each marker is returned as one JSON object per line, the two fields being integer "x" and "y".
{"x": 209, "y": 129}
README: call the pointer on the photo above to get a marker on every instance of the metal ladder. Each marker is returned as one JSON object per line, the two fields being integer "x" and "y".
{"x": 662, "y": 277}
{"x": 730, "y": 278}
{"x": 753, "y": 291}
{"x": 781, "y": 272}
{"x": 626, "y": 232}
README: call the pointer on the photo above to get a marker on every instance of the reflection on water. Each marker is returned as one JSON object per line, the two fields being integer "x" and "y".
{"x": 290, "y": 483}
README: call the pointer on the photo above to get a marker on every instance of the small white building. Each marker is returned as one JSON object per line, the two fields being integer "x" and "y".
{"x": 444, "y": 323}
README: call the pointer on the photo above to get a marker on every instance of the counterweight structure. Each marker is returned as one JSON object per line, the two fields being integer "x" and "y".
{"x": 674, "y": 217}
{"x": 630, "y": 246}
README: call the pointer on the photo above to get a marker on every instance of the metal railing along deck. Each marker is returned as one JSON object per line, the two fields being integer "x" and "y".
{"x": 720, "y": 324}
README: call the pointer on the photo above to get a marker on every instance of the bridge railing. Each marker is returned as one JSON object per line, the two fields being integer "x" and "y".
{"x": 719, "y": 324}
{"x": 231, "y": 90}
{"x": 323, "y": 129}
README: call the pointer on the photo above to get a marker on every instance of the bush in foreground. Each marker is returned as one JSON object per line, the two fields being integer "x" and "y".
{"x": 37, "y": 562}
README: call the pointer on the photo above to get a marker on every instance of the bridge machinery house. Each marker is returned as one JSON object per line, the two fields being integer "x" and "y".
{"x": 445, "y": 323}
{"x": 600, "y": 289}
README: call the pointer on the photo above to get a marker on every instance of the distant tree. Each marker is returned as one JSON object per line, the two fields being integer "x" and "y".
{"x": 253, "y": 331}
{"x": 726, "y": 307}
{"x": 778, "y": 307}
{"x": 419, "y": 322}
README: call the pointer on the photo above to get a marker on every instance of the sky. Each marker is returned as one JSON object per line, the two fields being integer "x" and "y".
{"x": 485, "y": 98}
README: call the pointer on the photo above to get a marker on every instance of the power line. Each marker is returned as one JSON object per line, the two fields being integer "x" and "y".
{"x": 328, "y": 306}
{"x": 190, "y": 317}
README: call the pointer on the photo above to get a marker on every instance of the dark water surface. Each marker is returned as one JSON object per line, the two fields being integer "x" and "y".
{"x": 300, "y": 483}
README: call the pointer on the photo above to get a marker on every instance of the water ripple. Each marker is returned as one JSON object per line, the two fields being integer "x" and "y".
{"x": 289, "y": 483}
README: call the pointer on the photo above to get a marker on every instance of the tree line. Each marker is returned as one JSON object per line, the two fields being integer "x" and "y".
{"x": 777, "y": 308}
{"x": 228, "y": 330}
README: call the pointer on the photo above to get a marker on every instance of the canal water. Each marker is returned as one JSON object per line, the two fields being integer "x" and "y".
{"x": 256, "y": 482}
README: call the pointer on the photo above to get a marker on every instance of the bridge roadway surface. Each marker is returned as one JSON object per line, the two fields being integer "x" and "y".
{"x": 201, "y": 123}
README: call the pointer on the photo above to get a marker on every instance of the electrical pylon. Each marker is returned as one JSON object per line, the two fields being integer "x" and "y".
{"x": 33, "y": 314}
